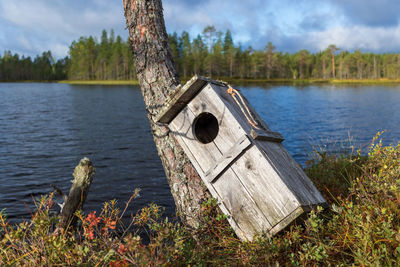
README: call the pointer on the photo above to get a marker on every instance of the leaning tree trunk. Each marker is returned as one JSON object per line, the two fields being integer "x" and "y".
{"x": 158, "y": 79}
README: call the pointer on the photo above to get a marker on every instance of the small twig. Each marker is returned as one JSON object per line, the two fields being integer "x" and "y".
{"x": 134, "y": 195}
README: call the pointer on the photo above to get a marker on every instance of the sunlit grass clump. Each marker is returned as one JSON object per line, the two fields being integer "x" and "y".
{"x": 362, "y": 227}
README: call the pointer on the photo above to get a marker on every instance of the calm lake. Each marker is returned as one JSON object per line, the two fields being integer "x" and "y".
{"x": 46, "y": 128}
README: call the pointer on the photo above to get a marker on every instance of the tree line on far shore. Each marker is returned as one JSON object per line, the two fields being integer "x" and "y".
{"x": 42, "y": 68}
{"x": 211, "y": 53}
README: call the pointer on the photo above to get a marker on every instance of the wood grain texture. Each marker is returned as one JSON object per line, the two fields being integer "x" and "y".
{"x": 287, "y": 220}
{"x": 291, "y": 174}
{"x": 182, "y": 96}
{"x": 263, "y": 135}
{"x": 176, "y": 102}
{"x": 264, "y": 185}
{"x": 227, "y": 159}
{"x": 245, "y": 213}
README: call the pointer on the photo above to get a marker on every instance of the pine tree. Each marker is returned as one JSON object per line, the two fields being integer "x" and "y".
{"x": 269, "y": 52}
{"x": 229, "y": 52}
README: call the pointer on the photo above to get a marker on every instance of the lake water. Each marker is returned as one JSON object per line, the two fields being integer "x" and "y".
{"x": 46, "y": 128}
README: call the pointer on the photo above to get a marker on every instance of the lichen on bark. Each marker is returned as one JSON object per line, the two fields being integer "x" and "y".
{"x": 83, "y": 177}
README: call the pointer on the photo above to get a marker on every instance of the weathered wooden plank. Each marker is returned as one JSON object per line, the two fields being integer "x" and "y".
{"x": 240, "y": 204}
{"x": 291, "y": 173}
{"x": 287, "y": 163}
{"x": 266, "y": 135}
{"x": 180, "y": 128}
{"x": 265, "y": 186}
{"x": 230, "y": 131}
{"x": 206, "y": 154}
{"x": 175, "y": 103}
{"x": 227, "y": 159}
{"x": 287, "y": 220}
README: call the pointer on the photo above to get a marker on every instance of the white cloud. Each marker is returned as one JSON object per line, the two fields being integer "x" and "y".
{"x": 59, "y": 50}
{"x": 37, "y": 16}
{"x": 354, "y": 37}
{"x": 24, "y": 42}
{"x": 30, "y": 27}
{"x": 53, "y": 24}
{"x": 373, "y": 13}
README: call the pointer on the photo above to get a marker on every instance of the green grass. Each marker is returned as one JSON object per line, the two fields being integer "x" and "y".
{"x": 100, "y": 82}
{"x": 362, "y": 227}
{"x": 303, "y": 81}
{"x": 246, "y": 81}
{"x": 239, "y": 81}
{"x": 309, "y": 81}
{"x": 365, "y": 81}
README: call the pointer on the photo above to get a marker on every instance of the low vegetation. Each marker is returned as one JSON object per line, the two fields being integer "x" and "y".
{"x": 238, "y": 81}
{"x": 101, "y": 82}
{"x": 362, "y": 227}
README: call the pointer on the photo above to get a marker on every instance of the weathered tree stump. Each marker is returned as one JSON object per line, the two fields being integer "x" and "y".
{"x": 83, "y": 177}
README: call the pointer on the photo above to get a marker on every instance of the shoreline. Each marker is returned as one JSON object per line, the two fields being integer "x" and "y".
{"x": 236, "y": 81}
{"x": 100, "y": 82}
{"x": 245, "y": 81}
{"x": 313, "y": 81}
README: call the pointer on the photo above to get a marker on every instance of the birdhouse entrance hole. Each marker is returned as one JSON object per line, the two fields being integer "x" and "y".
{"x": 205, "y": 127}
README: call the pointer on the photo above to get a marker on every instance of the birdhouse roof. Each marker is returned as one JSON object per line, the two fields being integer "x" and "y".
{"x": 183, "y": 95}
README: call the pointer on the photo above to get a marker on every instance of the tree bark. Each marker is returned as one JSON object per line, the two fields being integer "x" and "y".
{"x": 158, "y": 79}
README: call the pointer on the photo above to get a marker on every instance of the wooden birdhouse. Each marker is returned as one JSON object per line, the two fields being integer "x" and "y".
{"x": 258, "y": 185}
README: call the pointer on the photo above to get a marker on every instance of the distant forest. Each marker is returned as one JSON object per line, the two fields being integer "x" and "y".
{"x": 211, "y": 53}
{"x": 41, "y": 68}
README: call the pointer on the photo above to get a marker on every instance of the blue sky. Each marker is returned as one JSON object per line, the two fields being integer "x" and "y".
{"x": 30, "y": 27}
